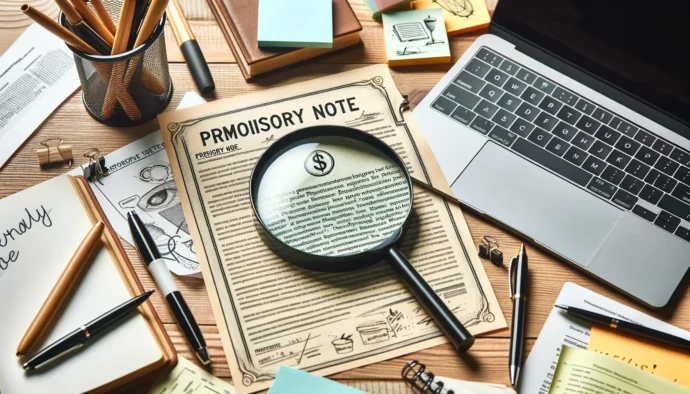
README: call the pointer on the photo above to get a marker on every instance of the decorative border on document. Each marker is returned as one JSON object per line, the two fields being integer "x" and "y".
{"x": 250, "y": 373}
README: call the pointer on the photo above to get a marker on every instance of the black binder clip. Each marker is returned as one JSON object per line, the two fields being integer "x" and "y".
{"x": 488, "y": 249}
{"x": 96, "y": 169}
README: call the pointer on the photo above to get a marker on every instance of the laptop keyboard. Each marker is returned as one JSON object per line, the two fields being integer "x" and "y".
{"x": 572, "y": 137}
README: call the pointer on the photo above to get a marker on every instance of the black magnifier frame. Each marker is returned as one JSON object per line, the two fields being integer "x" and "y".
{"x": 387, "y": 250}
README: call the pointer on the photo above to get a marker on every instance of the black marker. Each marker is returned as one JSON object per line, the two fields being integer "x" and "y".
{"x": 149, "y": 252}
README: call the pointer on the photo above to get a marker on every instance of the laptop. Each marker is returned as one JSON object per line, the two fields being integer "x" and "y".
{"x": 569, "y": 123}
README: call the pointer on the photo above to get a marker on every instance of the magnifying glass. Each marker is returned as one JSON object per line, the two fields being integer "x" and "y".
{"x": 335, "y": 199}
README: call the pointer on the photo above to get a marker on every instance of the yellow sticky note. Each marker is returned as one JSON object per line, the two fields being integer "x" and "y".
{"x": 461, "y": 16}
{"x": 646, "y": 355}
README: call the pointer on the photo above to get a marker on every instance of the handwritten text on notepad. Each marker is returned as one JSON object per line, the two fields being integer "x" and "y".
{"x": 35, "y": 216}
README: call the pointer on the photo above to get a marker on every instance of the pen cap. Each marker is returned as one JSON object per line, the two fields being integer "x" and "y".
{"x": 142, "y": 239}
{"x": 198, "y": 66}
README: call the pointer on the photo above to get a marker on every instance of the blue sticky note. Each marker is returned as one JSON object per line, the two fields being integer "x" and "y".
{"x": 295, "y": 23}
{"x": 294, "y": 381}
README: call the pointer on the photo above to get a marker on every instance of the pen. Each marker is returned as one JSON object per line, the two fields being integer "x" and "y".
{"x": 626, "y": 326}
{"x": 78, "y": 337}
{"x": 149, "y": 252}
{"x": 81, "y": 29}
{"x": 519, "y": 283}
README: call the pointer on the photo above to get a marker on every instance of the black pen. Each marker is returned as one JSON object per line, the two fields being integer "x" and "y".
{"x": 78, "y": 337}
{"x": 519, "y": 287}
{"x": 626, "y": 327}
{"x": 149, "y": 252}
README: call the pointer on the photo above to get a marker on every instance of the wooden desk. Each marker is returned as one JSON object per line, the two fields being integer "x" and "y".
{"x": 71, "y": 122}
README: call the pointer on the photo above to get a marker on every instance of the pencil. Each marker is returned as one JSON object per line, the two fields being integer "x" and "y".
{"x": 103, "y": 15}
{"x": 81, "y": 29}
{"x": 190, "y": 48}
{"x": 62, "y": 291}
{"x": 153, "y": 16}
{"x": 57, "y": 29}
{"x": 92, "y": 20}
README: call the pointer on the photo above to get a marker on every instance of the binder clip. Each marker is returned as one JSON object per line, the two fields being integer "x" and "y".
{"x": 60, "y": 153}
{"x": 488, "y": 249}
{"x": 96, "y": 169}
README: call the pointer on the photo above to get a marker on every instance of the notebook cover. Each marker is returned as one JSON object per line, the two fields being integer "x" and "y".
{"x": 295, "y": 23}
{"x": 241, "y": 17}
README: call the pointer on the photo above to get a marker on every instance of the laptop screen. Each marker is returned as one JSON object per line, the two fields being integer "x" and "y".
{"x": 641, "y": 46}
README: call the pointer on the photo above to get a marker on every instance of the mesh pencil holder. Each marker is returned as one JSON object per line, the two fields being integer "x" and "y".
{"x": 127, "y": 89}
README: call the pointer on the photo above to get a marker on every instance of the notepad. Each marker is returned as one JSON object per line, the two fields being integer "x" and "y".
{"x": 416, "y": 37}
{"x": 295, "y": 23}
{"x": 41, "y": 228}
{"x": 461, "y": 16}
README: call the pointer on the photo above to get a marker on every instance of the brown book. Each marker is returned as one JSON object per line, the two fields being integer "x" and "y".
{"x": 238, "y": 21}
{"x": 48, "y": 222}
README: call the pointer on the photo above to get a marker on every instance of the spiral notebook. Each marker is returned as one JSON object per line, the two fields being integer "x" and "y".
{"x": 424, "y": 382}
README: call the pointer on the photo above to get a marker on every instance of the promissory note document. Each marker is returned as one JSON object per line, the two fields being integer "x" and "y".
{"x": 271, "y": 313}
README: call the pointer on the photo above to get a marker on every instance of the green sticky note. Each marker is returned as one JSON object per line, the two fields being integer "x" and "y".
{"x": 294, "y": 381}
{"x": 295, "y": 23}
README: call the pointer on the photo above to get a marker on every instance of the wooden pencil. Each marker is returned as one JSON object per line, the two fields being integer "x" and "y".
{"x": 153, "y": 16}
{"x": 103, "y": 15}
{"x": 81, "y": 29}
{"x": 92, "y": 20}
{"x": 52, "y": 26}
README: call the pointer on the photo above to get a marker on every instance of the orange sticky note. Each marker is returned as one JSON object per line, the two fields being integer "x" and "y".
{"x": 461, "y": 16}
{"x": 649, "y": 356}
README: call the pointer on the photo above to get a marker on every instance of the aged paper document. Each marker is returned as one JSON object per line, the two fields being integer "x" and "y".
{"x": 271, "y": 313}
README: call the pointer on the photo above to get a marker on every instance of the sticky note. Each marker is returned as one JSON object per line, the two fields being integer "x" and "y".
{"x": 294, "y": 381}
{"x": 295, "y": 23}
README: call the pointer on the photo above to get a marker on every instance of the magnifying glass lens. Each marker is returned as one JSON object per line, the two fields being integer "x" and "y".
{"x": 333, "y": 196}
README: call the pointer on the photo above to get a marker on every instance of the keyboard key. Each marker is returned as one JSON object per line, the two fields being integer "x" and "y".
{"x": 527, "y": 111}
{"x": 627, "y": 145}
{"x": 600, "y": 150}
{"x": 569, "y": 115}
{"x": 637, "y": 168}
{"x": 645, "y": 138}
{"x": 489, "y": 57}
{"x": 681, "y": 157}
{"x": 557, "y": 146}
{"x": 526, "y": 76}
{"x": 546, "y": 121}
{"x": 665, "y": 183}
{"x": 491, "y": 93}
{"x": 667, "y": 217}
{"x": 615, "y": 123}
{"x": 652, "y": 176}
{"x": 496, "y": 77}
{"x": 666, "y": 165}
{"x": 564, "y": 131}
{"x": 539, "y": 137}
{"x": 478, "y": 68}
{"x": 613, "y": 175}
{"x": 644, "y": 213}
{"x": 594, "y": 165}
{"x": 650, "y": 194}
{"x": 624, "y": 199}
{"x": 618, "y": 159}
{"x": 584, "y": 106}
{"x": 587, "y": 124}
{"x": 602, "y": 116}
{"x": 469, "y": 82}
{"x": 504, "y": 118}
{"x": 682, "y": 192}
{"x": 550, "y": 105}
{"x": 602, "y": 188}
{"x": 521, "y": 127}
{"x": 461, "y": 96}
{"x": 683, "y": 175}
{"x": 632, "y": 184}
{"x": 675, "y": 206}
{"x": 485, "y": 108}
{"x": 544, "y": 85}
{"x": 662, "y": 147}
{"x": 503, "y": 136}
{"x": 509, "y": 102}
{"x": 608, "y": 135}
{"x": 583, "y": 141}
{"x": 515, "y": 87}
{"x": 532, "y": 96}
{"x": 482, "y": 125}
{"x": 626, "y": 128}
{"x": 444, "y": 105}
{"x": 508, "y": 67}
{"x": 575, "y": 155}
{"x": 555, "y": 164}
{"x": 565, "y": 96}
{"x": 668, "y": 226}
{"x": 647, "y": 156}
{"x": 683, "y": 233}
{"x": 463, "y": 115}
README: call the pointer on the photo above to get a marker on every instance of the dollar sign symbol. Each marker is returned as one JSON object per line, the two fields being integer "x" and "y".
{"x": 320, "y": 164}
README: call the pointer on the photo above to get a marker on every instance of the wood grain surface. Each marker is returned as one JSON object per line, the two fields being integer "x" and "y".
{"x": 487, "y": 361}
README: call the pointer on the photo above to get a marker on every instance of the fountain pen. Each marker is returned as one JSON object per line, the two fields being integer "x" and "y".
{"x": 161, "y": 275}
{"x": 519, "y": 286}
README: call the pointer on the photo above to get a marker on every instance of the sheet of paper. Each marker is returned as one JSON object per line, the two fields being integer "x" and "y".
{"x": 664, "y": 361}
{"x": 141, "y": 180}
{"x": 37, "y": 73}
{"x": 269, "y": 312}
{"x": 561, "y": 329}
{"x": 584, "y": 372}
{"x": 188, "y": 378}
{"x": 293, "y": 381}
{"x": 465, "y": 387}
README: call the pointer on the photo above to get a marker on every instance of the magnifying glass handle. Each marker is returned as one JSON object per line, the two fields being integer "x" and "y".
{"x": 461, "y": 339}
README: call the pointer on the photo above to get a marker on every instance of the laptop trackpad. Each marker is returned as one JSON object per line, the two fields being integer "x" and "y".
{"x": 531, "y": 200}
